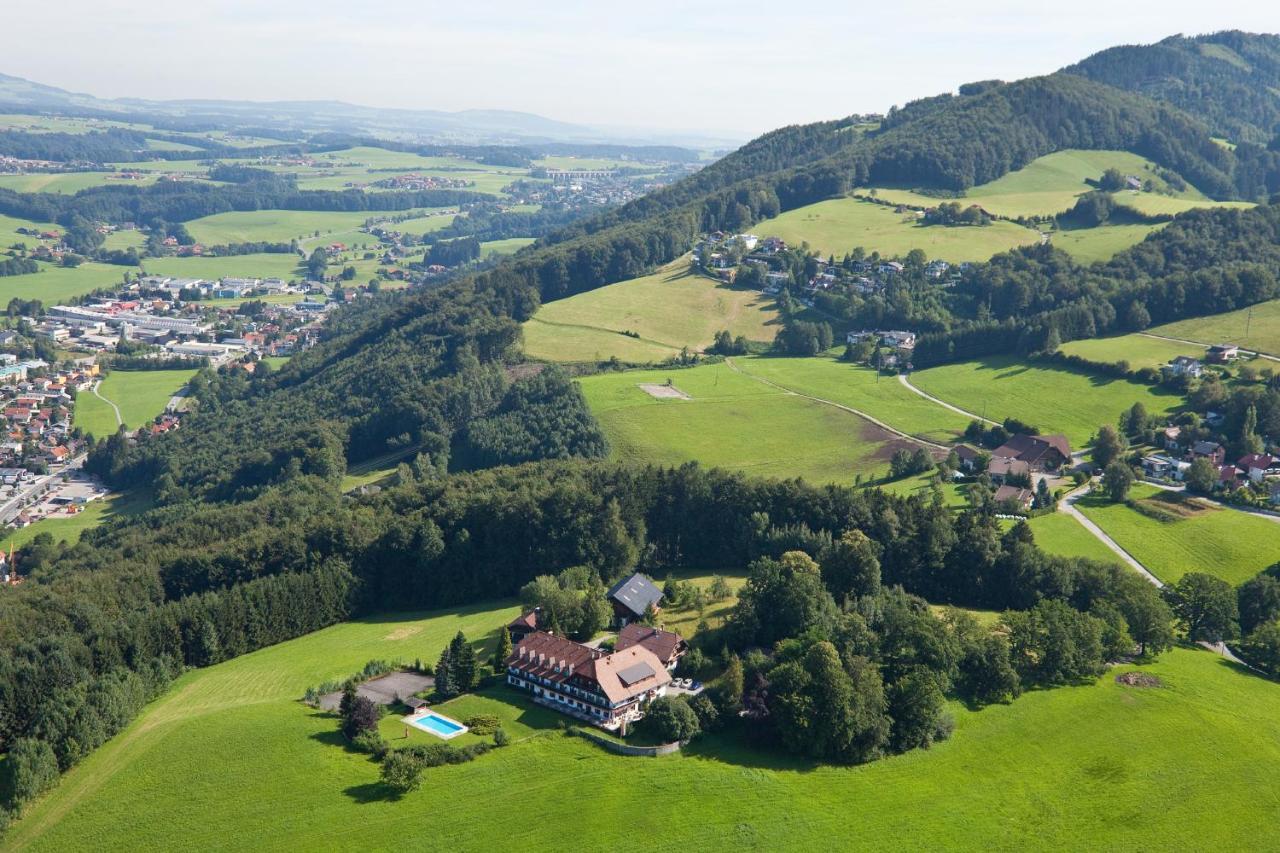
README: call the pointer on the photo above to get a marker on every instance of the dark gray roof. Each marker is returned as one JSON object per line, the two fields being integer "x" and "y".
{"x": 635, "y": 593}
{"x": 636, "y": 673}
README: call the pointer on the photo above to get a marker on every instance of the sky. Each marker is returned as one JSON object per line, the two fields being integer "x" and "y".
{"x": 734, "y": 69}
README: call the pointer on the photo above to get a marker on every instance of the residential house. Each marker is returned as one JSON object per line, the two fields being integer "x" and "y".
{"x": 1014, "y": 496}
{"x": 1185, "y": 366}
{"x": 524, "y": 625}
{"x": 608, "y": 690}
{"x": 1210, "y": 450}
{"x": 667, "y": 645}
{"x": 1002, "y": 468}
{"x": 1160, "y": 467}
{"x": 898, "y": 340}
{"x": 1171, "y": 436}
{"x": 1257, "y": 466}
{"x": 968, "y": 457}
{"x": 1222, "y": 353}
{"x": 1040, "y": 452}
{"x": 632, "y": 597}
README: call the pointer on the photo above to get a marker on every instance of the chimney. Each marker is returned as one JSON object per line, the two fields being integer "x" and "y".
{"x": 568, "y": 669}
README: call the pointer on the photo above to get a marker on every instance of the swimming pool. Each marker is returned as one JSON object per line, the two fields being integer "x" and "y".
{"x": 439, "y": 725}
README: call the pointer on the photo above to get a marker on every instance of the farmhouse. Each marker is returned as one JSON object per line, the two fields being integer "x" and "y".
{"x": 668, "y": 646}
{"x": 968, "y": 456}
{"x": 631, "y": 597}
{"x": 1015, "y": 496}
{"x": 1257, "y": 466}
{"x": 1186, "y": 366}
{"x": 1222, "y": 353}
{"x": 1040, "y": 452}
{"x": 608, "y": 690}
{"x": 1002, "y": 468}
{"x": 524, "y": 625}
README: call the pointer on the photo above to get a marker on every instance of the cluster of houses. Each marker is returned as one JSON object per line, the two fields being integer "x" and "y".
{"x": 1014, "y": 465}
{"x": 37, "y": 411}
{"x": 1261, "y": 470}
{"x": 1194, "y": 368}
{"x": 609, "y": 689}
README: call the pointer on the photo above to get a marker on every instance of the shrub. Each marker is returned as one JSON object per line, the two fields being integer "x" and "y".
{"x": 482, "y": 724}
{"x": 707, "y": 712}
{"x": 402, "y": 770}
{"x": 372, "y": 742}
{"x": 362, "y": 716}
{"x": 500, "y": 737}
{"x": 31, "y": 768}
{"x": 671, "y": 719}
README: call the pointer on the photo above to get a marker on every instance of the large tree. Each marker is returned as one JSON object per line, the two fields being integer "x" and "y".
{"x": 1205, "y": 606}
{"x": 851, "y": 566}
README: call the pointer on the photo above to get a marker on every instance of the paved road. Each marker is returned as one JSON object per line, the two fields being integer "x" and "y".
{"x": 836, "y": 405}
{"x": 906, "y": 383}
{"x": 1203, "y": 344}
{"x": 26, "y": 493}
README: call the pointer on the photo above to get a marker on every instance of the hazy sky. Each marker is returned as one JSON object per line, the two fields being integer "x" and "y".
{"x": 735, "y": 68}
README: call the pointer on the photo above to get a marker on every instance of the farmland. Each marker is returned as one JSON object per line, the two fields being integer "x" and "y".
{"x": 1051, "y": 398}
{"x": 1197, "y": 762}
{"x": 1150, "y": 204}
{"x": 509, "y": 246}
{"x": 672, "y": 308}
{"x": 1137, "y": 349}
{"x": 734, "y": 422}
{"x": 273, "y": 265}
{"x": 1201, "y": 537}
{"x": 1059, "y": 533}
{"x": 139, "y": 394}
{"x": 1091, "y": 245}
{"x": 836, "y": 226}
{"x": 1257, "y": 328}
{"x": 278, "y": 226}
{"x": 54, "y": 284}
{"x": 1046, "y": 186}
{"x": 95, "y": 513}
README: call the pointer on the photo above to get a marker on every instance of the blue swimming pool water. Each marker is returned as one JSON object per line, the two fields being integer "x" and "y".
{"x": 438, "y": 725}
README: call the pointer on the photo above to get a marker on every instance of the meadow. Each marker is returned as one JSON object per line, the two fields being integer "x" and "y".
{"x": 1059, "y": 533}
{"x": 837, "y": 226}
{"x": 1257, "y": 328}
{"x": 69, "y": 182}
{"x": 669, "y": 309}
{"x": 95, "y": 513}
{"x": 273, "y": 225}
{"x": 1188, "y": 764}
{"x": 54, "y": 284}
{"x": 509, "y": 246}
{"x": 1094, "y": 245}
{"x": 1046, "y": 186}
{"x": 1053, "y": 399}
{"x": 264, "y": 265}
{"x": 9, "y": 226}
{"x": 1137, "y": 349}
{"x": 1150, "y": 204}
{"x": 1215, "y": 540}
{"x": 140, "y": 395}
{"x": 735, "y": 422}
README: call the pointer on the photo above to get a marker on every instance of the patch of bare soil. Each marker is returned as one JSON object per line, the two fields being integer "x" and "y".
{"x": 664, "y": 392}
{"x": 1138, "y": 679}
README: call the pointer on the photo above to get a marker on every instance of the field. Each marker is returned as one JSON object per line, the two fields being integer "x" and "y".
{"x": 881, "y": 397}
{"x": 839, "y": 225}
{"x": 1139, "y": 350}
{"x": 273, "y": 225}
{"x": 509, "y": 246}
{"x": 1061, "y": 534}
{"x": 1189, "y": 765}
{"x": 1257, "y": 328}
{"x": 54, "y": 284}
{"x": 1091, "y": 245}
{"x": 1226, "y": 543}
{"x": 69, "y": 529}
{"x": 9, "y": 226}
{"x": 1044, "y": 187}
{"x": 1053, "y": 399}
{"x": 1150, "y": 204}
{"x": 734, "y": 422}
{"x": 669, "y": 309}
{"x": 283, "y": 266}
{"x": 140, "y": 395}
{"x": 68, "y": 182}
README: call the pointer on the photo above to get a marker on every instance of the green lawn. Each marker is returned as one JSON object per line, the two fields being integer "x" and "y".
{"x": 1189, "y": 765}
{"x": 282, "y": 266}
{"x": 1256, "y": 328}
{"x": 1052, "y": 399}
{"x": 54, "y": 284}
{"x": 1226, "y": 543}
{"x": 509, "y": 246}
{"x": 1044, "y": 187}
{"x": 1150, "y": 204}
{"x": 273, "y": 225}
{"x": 882, "y": 397}
{"x": 95, "y": 513}
{"x": 1090, "y": 245}
{"x": 1139, "y": 350}
{"x": 139, "y": 394}
{"x": 1061, "y": 534}
{"x": 734, "y": 422}
{"x": 839, "y": 225}
{"x": 669, "y": 309}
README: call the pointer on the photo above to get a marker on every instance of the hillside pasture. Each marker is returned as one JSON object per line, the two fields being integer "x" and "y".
{"x": 1137, "y": 349}
{"x": 509, "y": 246}
{"x": 1054, "y": 399}
{"x": 276, "y": 226}
{"x": 140, "y": 395}
{"x": 837, "y": 226}
{"x": 54, "y": 284}
{"x": 672, "y": 308}
{"x": 1198, "y": 536}
{"x": 1151, "y": 204}
{"x": 735, "y": 422}
{"x": 1096, "y": 766}
{"x": 1101, "y": 244}
{"x": 263, "y": 265}
{"x": 1255, "y": 328}
{"x": 1060, "y": 534}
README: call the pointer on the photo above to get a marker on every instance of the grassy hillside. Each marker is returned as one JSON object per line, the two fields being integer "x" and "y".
{"x": 1257, "y": 328}
{"x": 283, "y": 266}
{"x": 1227, "y": 543}
{"x": 1186, "y": 765}
{"x": 1046, "y": 186}
{"x": 1054, "y": 400}
{"x": 1149, "y": 204}
{"x": 839, "y": 225}
{"x": 669, "y": 309}
{"x": 735, "y": 422}
{"x": 273, "y": 225}
{"x": 140, "y": 395}
{"x": 1090, "y": 245}
{"x": 1137, "y": 349}
{"x": 54, "y": 284}
{"x": 1061, "y": 534}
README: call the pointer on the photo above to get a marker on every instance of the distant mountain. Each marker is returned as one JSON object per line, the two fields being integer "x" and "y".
{"x": 1230, "y": 80}
{"x": 483, "y": 127}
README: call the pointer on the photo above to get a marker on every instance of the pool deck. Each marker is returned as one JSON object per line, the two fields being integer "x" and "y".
{"x": 416, "y": 720}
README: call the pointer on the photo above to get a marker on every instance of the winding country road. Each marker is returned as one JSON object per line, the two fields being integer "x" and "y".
{"x": 906, "y": 383}
{"x": 1202, "y": 344}
{"x": 884, "y": 426}
{"x": 114, "y": 407}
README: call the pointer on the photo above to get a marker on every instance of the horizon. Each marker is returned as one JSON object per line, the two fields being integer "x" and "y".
{"x": 790, "y": 78}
